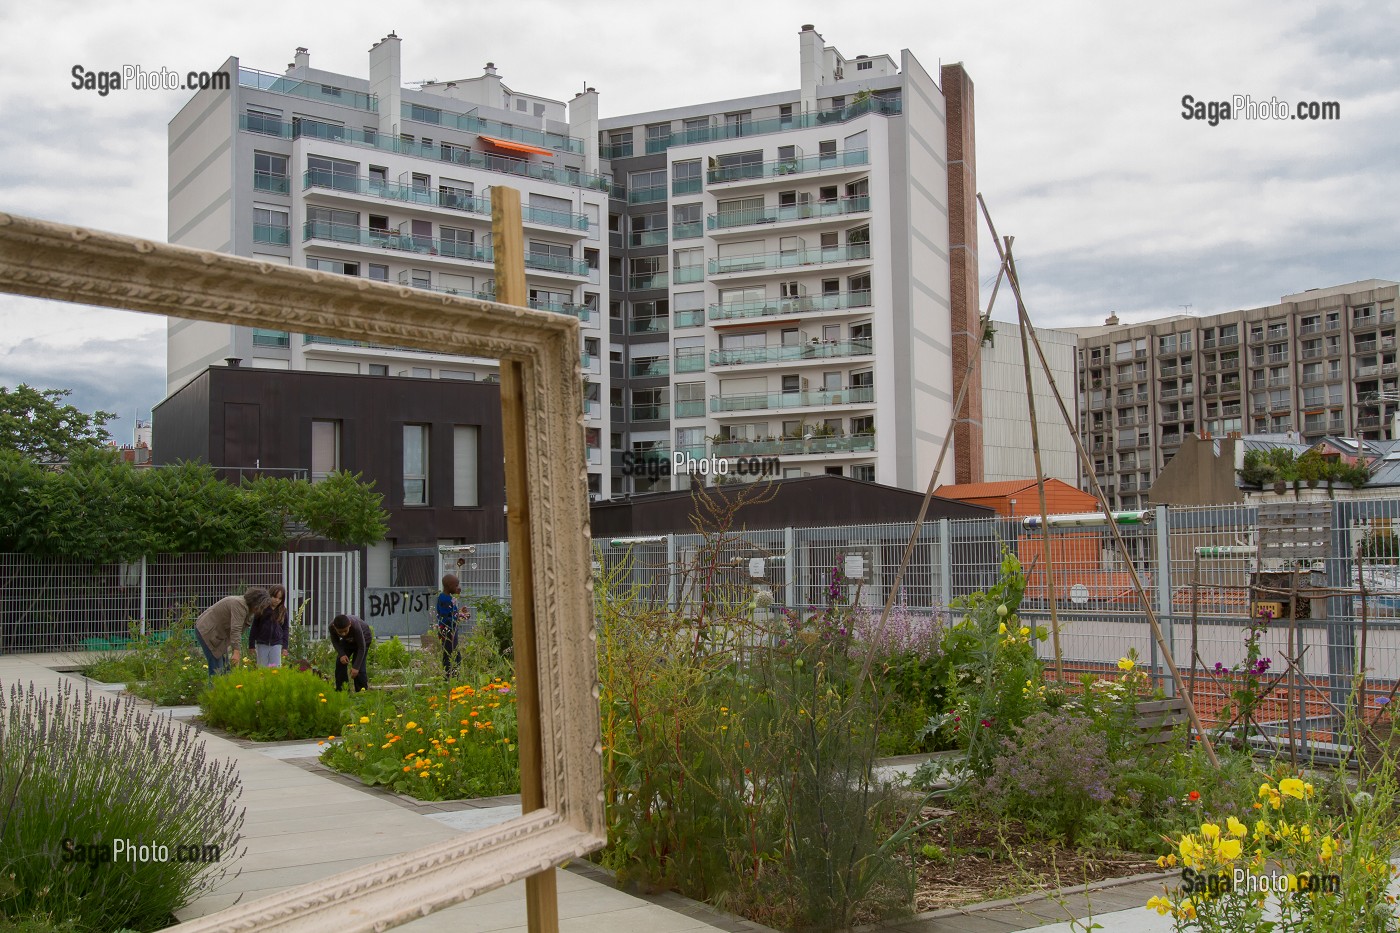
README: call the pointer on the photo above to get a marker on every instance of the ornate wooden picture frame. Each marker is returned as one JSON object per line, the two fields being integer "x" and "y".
{"x": 540, "y": 355}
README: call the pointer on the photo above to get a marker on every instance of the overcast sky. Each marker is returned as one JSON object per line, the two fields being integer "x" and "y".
{"x": 1117, "y": 203}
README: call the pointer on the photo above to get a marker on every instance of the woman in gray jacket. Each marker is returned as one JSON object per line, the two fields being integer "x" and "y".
{"x": 219, "y": 629}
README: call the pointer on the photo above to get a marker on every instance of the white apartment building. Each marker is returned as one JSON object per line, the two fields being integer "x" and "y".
{"x": 781, "y": 280}
{"x": 788, "y": 275}
{"x": 1006, "y": 429}
{"x": 368, "y": 178}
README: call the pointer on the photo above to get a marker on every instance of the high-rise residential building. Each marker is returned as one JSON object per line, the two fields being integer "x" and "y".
{"x": 789, "y": 275}
{"x": 1006, "y": 442}
{"x": 794, "y": 275}
{"x": 1321, "y": 362}
{"x": 370, "y": 178}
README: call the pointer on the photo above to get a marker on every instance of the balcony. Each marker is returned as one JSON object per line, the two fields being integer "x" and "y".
{"x": 836, "y": 301}
{"x": 559, "y": 265}
{"x": 388, "y": 240}
{"x": 454, "y": 153}
{"x": 582, "y": 312}
{"x": 649, "y": 325}
{"x": 1310, "y": 353}
{"x": 690, "y": 409}
{"x": 271, "y": 338}
{"x": 1310, "y": 328}
{"x": 690, "y": 360}
{"x": 408, "y": 194}
{"x": 272, "y": 233}
{"x": 1364, "y": 321}
{"x": 1366, "y": 346}
{"x": 641, "y": 238}
{"x": 646, "y": 195}
{"x": 794, "y": 447}
{"x": 648, "y": 413}
{"x": 687, "y": 231}
{"x": 1171, "y": 440}
{"x": 681, "y": 186}
{"x": 615, "y": 151}
{"x": 858, "y": 395}
{"x": 1368, "y": 421}
{"x": 646, "y": 369}
{"x": 471, "y": 123}
{"x": 737, "y": 129}
{"x": 688, "y": 317}
{"x": 802, "y": 165}
{"x": 808, "y": 351}
{"x": 687, "y": 275}
{"x": 840, "y": 207}
{"x": 275, "y": 184}
{"x": 1364, "y": 371}
{"x": 311, "y": 90}
{"x": 647, "y": 281}
{"x": 790, "y": 259}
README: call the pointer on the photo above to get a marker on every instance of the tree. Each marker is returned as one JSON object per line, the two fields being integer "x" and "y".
{"x": 37, "y": 424}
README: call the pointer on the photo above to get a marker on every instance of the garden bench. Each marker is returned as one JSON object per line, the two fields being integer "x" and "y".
{"x": 1157, "y": 720}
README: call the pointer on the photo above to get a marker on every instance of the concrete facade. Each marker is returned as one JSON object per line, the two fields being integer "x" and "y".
{"x": 1316, "y": 363}
{"x": 1005, "y": 416}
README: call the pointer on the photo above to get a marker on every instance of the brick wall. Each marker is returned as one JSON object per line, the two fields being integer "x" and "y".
{"x": 966, "y": 336}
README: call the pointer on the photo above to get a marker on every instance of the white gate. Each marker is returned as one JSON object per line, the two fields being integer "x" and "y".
{"x": 327, "y": 582}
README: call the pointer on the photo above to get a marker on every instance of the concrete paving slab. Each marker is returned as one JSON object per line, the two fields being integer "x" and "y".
{"x": 300, "y": 750}
{"x": 468, "y": 820}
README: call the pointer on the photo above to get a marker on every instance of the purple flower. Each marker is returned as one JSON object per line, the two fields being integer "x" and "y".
{"x": 1382, "y": 701}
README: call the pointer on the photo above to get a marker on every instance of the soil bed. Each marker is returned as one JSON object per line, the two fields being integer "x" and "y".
{"x": 983, "y": 860}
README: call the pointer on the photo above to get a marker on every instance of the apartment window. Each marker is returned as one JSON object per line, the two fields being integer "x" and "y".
{"x": 458, "y": 242}
{"x": 415, "y": 464}
{"x": 333, "y": 265}
{"x": 864, "y": 66}
{"x": 737, "y": 124}
{"x": 690, "y": 400}
{"x": 686, "y": 221}
{"x": 325, "y": 449}
{"x": 465, "y": 493}
{"x": 686, "y": 177}
{"x": 378, "y": 273}
{"x": 648, "y": 229}
{"x": 379, "y": 369}
{"x": 271, "y": 226}
{"x": 690, "y": 266}
{"x": 327, "y": 224}
{"x": 270, "y": 172}
{"x": 863, "y": 471}
{"x": 657, "y": 134}
{"x": 339, "y": 174}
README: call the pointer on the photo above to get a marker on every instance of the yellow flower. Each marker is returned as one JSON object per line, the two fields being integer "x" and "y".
{"x": 422, "y": 774}
{"x": 1159, "y": 904}
{"x": 240, "y": 687}
{"x": 1228, "y": 849}
{"x": 1001, "y": 628}
{"x": 1210, "y": 831}
{"x": 1126, "y": 664}
{"x": 1025, "y": 631}
{"x": 1329, "y": 847}
{"x": 1190, "y": 850}
{"x": 364, "y": 719}
{"x": 1292, "y": 787}
{"x": 323, "y": 699}
{"x": 1166, "y": 861}
{"x": 411, "y": 725}
{"x": 1236, "y": 827}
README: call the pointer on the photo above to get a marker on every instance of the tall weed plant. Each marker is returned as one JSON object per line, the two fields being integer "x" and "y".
{"x": 270, "y": 704}
{"x": 77, "y": 776}
{"x": 738, "y": 752}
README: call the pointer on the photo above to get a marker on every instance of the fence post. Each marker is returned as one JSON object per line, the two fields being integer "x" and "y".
{"x": 143, "y": 595}
{"x": 945, "y": 562}
{"x": 789, "y": 568}
{"x": 671, "y": 602}
{"x": 1164, "y": 591}
{"x": 502, "y": 575}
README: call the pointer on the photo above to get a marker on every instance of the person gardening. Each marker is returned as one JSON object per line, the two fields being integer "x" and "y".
{"x": 268, "y": 631}
{"x": 350, "y": 637}
{"x": 219, "y": 629}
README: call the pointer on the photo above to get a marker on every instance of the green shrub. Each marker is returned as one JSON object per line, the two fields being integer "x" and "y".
{"x": 389, "y": 655}
{"x": 269, "y": 704}
{"x": 493, "y": 618}
{"x": 450, "y": 744}
{"x": 94, "y": 771}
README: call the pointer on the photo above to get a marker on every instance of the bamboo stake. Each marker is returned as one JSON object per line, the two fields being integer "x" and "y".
{"x": 1088, "y": 465}
{"x": 1040, "y": 488}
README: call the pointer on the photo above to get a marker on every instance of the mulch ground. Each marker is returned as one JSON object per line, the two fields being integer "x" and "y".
{"x": 984, "y": 861}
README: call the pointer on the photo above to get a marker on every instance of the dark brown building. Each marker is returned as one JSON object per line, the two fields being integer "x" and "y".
{"x": 432, "y": 447}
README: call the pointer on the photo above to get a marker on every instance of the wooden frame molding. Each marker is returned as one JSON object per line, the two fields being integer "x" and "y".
{"x": 64, "y": 263}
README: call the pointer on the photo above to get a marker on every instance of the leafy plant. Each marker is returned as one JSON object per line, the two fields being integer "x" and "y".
{"x": 434, "y": 745}
{"x": 39, "y": 426}
{"x": 390, "y": 655}
{"x": 268, "y": 704}
{"x": 78, "y": 774}
{"x": 494, "y": 618}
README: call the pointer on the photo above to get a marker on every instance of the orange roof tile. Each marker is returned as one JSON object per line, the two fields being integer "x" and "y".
{"x": 985, "y": 490}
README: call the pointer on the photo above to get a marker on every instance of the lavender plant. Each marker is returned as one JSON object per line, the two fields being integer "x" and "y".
{"x": 78, "y": 777}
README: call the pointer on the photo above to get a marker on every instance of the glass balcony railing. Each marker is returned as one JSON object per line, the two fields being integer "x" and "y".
{"x": 685, "y": 186}
{"x": 770, "y": 307}
{"x": 389, "y": 240}
{"x": 688, "y": 275}
{"x": 454, "y": 153}
{"x": 312, "y": 90}
{"x": 471, "y": 123}
{"x": 271, "y": 233}
{"x": 859, "y": 395}
{"x": 735, "y": 129}
{"x": 646, "y": 195}
{"x": 564, "y": 265}
{"x": 815, "y": 350}
{"x": 794, "y": 447}
{"x": 266, "y": 181}
{"x": 649, "y": 325}
{"x": 788, "y": 259}
{"x": 800, "y": 165}
{"x": 582, "y": 312}
{"x": 649, "y": 412}
{"x": 648, "y": 280}
{"x": 271, "y": 338}
{"x": 648, "y": 238}
{"x": 687, "y": 231}
{"x": 645, "y": 369}
{"x": 788, "y": 212}
{"x": 690, "y": 409}
{"x": 688, "y": 318}
{"x": 690, "y": 360}
{"x": 392, "y": 191}
{"x": 544, "y": 215}
{"x": 615, "y": 151}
